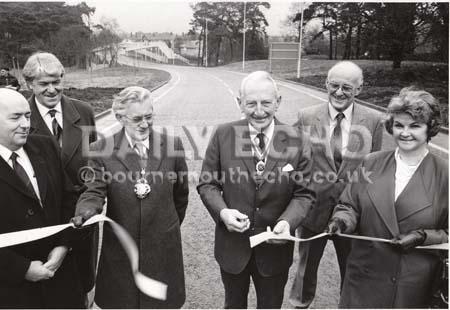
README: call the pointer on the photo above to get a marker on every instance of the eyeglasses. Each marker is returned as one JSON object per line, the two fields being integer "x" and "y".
{"x": 345, "y": 88}
{"x": 139, "y": 119}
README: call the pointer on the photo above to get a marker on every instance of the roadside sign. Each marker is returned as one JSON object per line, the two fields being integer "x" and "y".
{"x": 283, "y": 51}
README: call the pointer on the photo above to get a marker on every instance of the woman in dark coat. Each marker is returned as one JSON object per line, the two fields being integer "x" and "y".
{"x": 152, "y": 218}
{"x": 404, "y": 197}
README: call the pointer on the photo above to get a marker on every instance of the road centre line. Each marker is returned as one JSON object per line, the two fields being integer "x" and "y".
{"x": 227, "y": 88}
{"x": 224, "y": 83}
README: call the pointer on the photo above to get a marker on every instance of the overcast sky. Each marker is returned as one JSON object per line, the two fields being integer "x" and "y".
{"x": 167, "y": 16}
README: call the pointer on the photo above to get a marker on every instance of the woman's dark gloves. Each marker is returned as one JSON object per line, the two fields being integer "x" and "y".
{"x": 410, "y": 240}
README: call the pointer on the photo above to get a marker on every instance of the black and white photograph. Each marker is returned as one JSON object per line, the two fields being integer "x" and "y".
{"x": 223, "y": 154}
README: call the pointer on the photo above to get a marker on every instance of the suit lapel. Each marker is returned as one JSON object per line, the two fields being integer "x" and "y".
{"x": 40, "y": 170}
{"x": 321, "y": 134}
{"x": 155, "y": 154}
{"x": 131, "y": 160}
{"x": 125, "y": 153}
{"x": 358, "y": 119}
{"x": 278, "y": 145}
{"x": 8, "y": 175}
{"x": 381, "y": 192}
{"x": 38, "y": 125}
{"x": 71, "y": 130}
{"x": 245, "y": 145}
{"x": 354, "y": 139}
{"x": 414, "y": 196}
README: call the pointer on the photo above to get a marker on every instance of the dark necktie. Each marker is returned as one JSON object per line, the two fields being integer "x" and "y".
{"x": 57, "y": 130}
{"x": 20, "y": 171}
{"x": 261, "y": 141}
{"x": 336, "y": 141}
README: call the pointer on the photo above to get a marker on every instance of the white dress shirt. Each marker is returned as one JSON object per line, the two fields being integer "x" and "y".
{"x": 43, "y": 110}
{"x": 346, "y": 123}
{"x": 404, "y": 173}
{"x": 25, "y": 162}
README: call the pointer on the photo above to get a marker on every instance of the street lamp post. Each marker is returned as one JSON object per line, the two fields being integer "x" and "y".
{"x": 299, "y": 62}
{"x": 206, "y": 42}
{"x": 243, "y": 39}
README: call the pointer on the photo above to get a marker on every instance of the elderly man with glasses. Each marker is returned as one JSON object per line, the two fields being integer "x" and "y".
{"x": 342, "y": 132}
{"x": 143, "y": 175}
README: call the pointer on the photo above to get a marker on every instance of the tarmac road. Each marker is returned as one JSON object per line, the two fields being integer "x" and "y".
{"x": 190, "y": 104}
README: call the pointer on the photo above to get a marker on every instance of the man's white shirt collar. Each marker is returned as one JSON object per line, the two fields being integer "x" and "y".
{"x": 25, "y": 162}
{"x": 44, "y": 110}
{"x": 5, "y": 153}
{"x": 132, "y": 143}
{"x": 347, "y": 112}
{"x": 268, "y": 131}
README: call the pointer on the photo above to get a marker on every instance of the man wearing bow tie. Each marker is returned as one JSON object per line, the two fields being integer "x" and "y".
{"x": 68, "y": 121}
{"x": 246, "y": 186}
{"x": 34, "y": 193}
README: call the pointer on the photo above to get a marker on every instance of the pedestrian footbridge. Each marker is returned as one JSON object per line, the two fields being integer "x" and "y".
{"x": 154, "y": 51}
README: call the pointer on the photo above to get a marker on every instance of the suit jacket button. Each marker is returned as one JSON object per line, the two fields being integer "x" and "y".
{"x": 393, "y": 279}
{"x": 30, "y": 212}
{"x": 257, "y": 209}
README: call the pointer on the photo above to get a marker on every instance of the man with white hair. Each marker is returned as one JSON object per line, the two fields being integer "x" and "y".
{"x": 248, "y": 183}
{"x": 342, "y": 133}
{"x": 35, "y": 193}
{"x": 143, "y": 175}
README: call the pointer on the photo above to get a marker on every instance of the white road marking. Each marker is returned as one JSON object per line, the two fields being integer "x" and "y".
{"x": 300, "y": 91}
{"x": 175, "y": 84}
{"x": 437, "y": 147}
{"x": 228, "y": 88}
{"x": 110, "y": 127}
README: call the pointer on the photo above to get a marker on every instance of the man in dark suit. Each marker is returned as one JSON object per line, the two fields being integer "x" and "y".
{"x": 142, "y": 173}
{"x": 35, "y": 193}
{"x": 254, "y": 176}
{"x": 71, "y": 123}
{"x": 342, "y": 132}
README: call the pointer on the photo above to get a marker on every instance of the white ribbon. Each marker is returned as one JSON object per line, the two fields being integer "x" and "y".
{"x": 267, "y": 235}
{"x": 145, "y": 284}
{"x": 264, "y": 236}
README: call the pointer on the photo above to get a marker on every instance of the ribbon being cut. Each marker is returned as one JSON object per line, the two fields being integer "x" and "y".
{"x": 264, "y": 236}
{"x": 145, "y": 284}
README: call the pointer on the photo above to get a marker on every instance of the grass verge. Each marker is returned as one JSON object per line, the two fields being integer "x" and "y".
{"x": 98, "y": 87}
